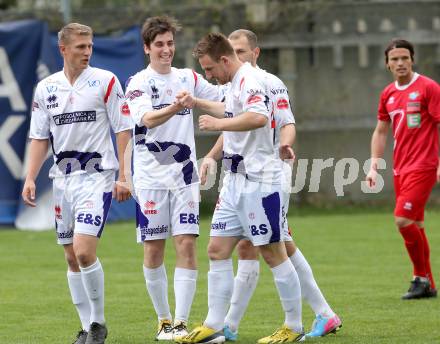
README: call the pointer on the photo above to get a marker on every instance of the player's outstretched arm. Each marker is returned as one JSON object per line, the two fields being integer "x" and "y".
{"x": 378, "y": 143}
{"x": 246, "y": 121}
{"x": 122, "y": 186}
{"x": 214, "y": 108}
{"x": 209, "y": 161}
{"x": 37, "y": 155}
{"x": 155, "y": 118}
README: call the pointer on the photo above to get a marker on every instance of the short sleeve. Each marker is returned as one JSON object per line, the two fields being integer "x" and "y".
{"x": 205, "y": 90}
{"x": 253, "y": 96}
{"x": 433, "y": 100}
{"x": 382, "y": 113}
{"x": 40, "y": 120}
{"x": 137, "y": 100}
{"x": 117, "y": 110}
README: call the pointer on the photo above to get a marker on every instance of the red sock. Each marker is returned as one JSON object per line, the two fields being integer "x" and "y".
{"x": 415, "y": 246}
{"x": 427, "y": 260}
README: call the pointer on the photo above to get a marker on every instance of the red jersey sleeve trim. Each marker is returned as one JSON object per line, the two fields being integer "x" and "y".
{"x": 195, "y": 78}
{"x": 109, "y": 89}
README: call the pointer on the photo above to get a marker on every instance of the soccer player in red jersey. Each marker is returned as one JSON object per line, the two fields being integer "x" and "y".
{"x": 411, "y": 106}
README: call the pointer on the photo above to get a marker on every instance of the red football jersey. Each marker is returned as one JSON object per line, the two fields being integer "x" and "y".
{"x": 414, "y": 110}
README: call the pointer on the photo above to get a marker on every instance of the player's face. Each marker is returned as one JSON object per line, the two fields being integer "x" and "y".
{"x": 161, "y": 51}
{"x": 215, "y": 70}
{"x": 243, "y": 50}
{"x": 77, "y": 51}
{"x": 400, "y": 64}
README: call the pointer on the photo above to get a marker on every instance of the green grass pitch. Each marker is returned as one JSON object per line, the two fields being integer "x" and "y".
{"x": 358, "y": 260}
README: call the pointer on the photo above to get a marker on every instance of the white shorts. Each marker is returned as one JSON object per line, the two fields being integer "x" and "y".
{"x": 248, "y": 209}
{"x": 81, "y": 204}
{"x": 162, "y": 213}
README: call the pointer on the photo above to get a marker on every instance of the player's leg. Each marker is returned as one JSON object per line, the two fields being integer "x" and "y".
{"x": 433, "y": 290}
{"x": 152, "y": 228}
{"x": 184, "y": 210}
{"x": 64, "y": 218}
{"x": 92, "y": 195}
{"x": 245, "y": 282}
{"x": 412, "y": 193}
{"x": 225, "y": 233}
{"x": 262, "y": 220}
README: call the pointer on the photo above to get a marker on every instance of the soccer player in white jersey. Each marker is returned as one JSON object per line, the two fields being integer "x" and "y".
{"x": 251, "y": 197}
{"x": 245, "y": 46}
{"x": 165, "y": 177}
{"x": 74, "y": 110}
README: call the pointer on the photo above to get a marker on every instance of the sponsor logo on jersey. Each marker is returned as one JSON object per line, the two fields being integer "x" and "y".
{"x": 413, "y": 120}
{"x": 89, "y": 219}
{"x": 94, "y": 83}
{"x": 155, "y": 92}
{"x": 413, "y": 95}
{"x": 254, "y": 99}
{"x": 65, "y": 235}
{"x": 407, "y": 206}
{"x": 282, "y": 104}
{"x": 120, "y": 95}
{"x": 134, "y": 94}
{"x": 51, "y": 88}
{"x": 125, "y": 110}
{"x": 154, "y": 230}
{"x": 390, "y": 100}
{"x": 413, "y": 107}
{"x": 228, "y": 114}
{"x": 182, "y": 79}
{"x": 75, "y": 117}
{"x": 254, "y": 91}
{"x": 149, "y": 208}
{"x": 276, "y": 91}
{"x": 52, "y": 101}
{"x": 90, "y": 204}
{"x": 189, "y": 218}
{"x": 191, "y": 204}
{"x": 169, "y": 92}
{"x": 58, "y": 212}
{"x": 218, "y": 226}
{"x": 251, "y": 216}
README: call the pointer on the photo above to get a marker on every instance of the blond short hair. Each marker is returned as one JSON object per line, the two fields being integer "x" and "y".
{"x": 73, "y": 29}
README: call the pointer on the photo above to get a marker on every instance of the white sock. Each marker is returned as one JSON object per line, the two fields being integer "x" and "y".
{"x": 220, "y": 286}
{"x": 157, "y": 287}
{"x": 244, "y": 285}
{"x": 79, "y": 298}
{"x": 184, "y": 289}
{"x": 289, "y": 290}
{"x": 93, "y": 280}
{"x": 309, "y": 288}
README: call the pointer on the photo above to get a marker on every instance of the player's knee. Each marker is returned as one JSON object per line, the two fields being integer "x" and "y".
{"x": 247, "y": 251}
{"x": 84, "y": 258}
{"x": 290, "y": 248}
{"x": 186, "y": 247}
{"x": 216, "y": 252}
{"x": 71, "y": 261}
{"x": 402, "y": 221}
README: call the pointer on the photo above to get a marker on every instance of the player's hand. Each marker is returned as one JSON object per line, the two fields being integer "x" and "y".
{"x": 371, "y": 178}
{"x": 121, "y": 191}
{"x": 28, "y": 193}
{"x": 207, "y": 122}
{"x": 287, "y": 153}
{"x": 186, "y": 100}
{"x": 208, "y": 166}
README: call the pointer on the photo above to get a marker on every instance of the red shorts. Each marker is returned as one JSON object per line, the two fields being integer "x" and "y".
{"x": 412, "y": 192}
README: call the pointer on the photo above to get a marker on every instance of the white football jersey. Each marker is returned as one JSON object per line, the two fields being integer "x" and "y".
{"x": 77, "y": 119}
{"x": 165, "y": 156}
{"x": 250, "y": 152}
